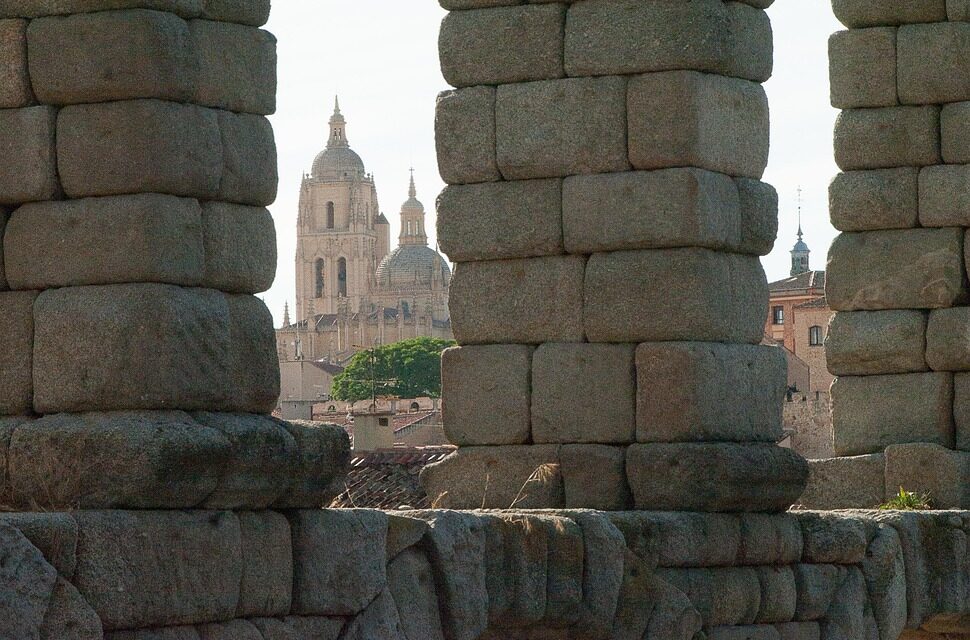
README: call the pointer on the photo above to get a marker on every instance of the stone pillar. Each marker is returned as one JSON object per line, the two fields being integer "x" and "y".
{"x": 605, "y": 209}
{"x": 137, "y": 165}
{"x": 896, "y": 274}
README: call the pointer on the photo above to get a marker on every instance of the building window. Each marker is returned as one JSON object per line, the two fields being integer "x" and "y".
{"x": 318, "y": 279}
{"x": 342, "y": 277}
{"x": 815, "y": 336}
{"x": 330, "y": 215}
{"x": 415, "y": 406}
{"x": 778, "y": 315}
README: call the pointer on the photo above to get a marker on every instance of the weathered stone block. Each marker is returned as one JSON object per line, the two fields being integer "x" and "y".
{"x": 172, "y": 349}
{"x": 254, "y": 369}
{"x": 745, "y": 632}
{"x": 873, "y": 412}
{"x": 54, "y": 534}
{"x": 266, "y": 588}
{"x": 129, "y": 584}
{"x": 474, "y": 220}
{"x": 862, "y": 68}
{"x": 153, "y": 238}
{"x": 722, "y": 595}
{"x": 139, "y": 146}
{"x": 863, "y": 343}
{"x": 798, "y": 631}
{"x": 674, "y": 539}
{"x": 145, "y": 460}
{"x": 759, "y": 216}
{"x": 518, "y": 301}
{"x": 16, "y": 356}
{"x": 933, "y": 62}
{"x": 237, "y": 67}
{"x": 873, "y": 200}
{"x": 929, "y": 469}
{"x": 557, "y": 128}
{"x": 817, "y": 585}
{"x": 715, "y": 477}
{"x": 28, "y": 582}
{"x": 961, "y": 410}
{"x": 38, "y": 8}
{"x": 411, "y": 583}
{"x": 686, "y": 118}
{"x": 7, "y": 427}
{"x": 324, "y": 455}
{"x": 249, "y": 173}
{"x": 958, "y": 10}
{"x": 720, "y": 297}
{"x": 603, "y": 413}
{"x": 769, "y": 540}
{"x": 255, "y": 13}
{"x": 155, "y": 58}
{"x": 299, "y": 627}
{"x": 524, "y": 477}
{"x": 832, "y": 538}
{"x": 516, "y": 551}
{"x": 28, "y": 135}
{"x": 887, "y": 137}
{"x": 232, "y": 630}
{"x": 628, "y": 36}
{"x": 955, "y": 132}
{"x": 502, "y": 45}
{"x": 403, "y": 533}
{"x": 694, "y": 392}
{"x": 603, "y": 563}
{"x": 15, "y": 90}
{"x": 948, "y": 339}
{"x": 182, "y": 632}
{"x": 240, "y": 247}
{"x": 464, "y": 132}
{"x": 944, "y": 200}
{"x": 488, "y": 391}
{"x": 69, "y": 616}
{"x": 904, "y": 269}
{"x": 4, "y": 217}
{"x": 650, "y": 210}
{"x": 339, "y": 565}
{"x": 861, "y": 13}
{"x": 594, "y": 477}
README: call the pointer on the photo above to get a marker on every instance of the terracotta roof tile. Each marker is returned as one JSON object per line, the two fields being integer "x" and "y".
{"x": 388, "y": 479}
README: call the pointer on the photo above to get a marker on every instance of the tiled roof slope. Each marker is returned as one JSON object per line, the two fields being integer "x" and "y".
{"x": 801, "y": 282}
{"x": 388, "y": 478}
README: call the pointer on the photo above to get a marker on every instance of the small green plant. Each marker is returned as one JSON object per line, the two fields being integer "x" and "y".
{"x": 908, "y": 501}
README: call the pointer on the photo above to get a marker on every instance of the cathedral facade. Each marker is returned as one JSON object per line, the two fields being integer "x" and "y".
{"x": 352, "y": 291}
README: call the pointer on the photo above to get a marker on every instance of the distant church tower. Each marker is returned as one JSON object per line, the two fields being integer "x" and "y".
{"x": 800, "y": 252}
{"x": 341, "y": 234}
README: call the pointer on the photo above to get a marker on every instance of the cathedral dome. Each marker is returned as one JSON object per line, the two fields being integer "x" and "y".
{"x": 409, "y": 265}
{"x": 335, "y": 163}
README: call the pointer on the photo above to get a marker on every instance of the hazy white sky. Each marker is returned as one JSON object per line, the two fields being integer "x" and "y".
{"x": 381, "y": 57}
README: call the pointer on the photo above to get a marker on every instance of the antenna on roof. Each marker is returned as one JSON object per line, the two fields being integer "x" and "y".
{"x": 799, "y": 192}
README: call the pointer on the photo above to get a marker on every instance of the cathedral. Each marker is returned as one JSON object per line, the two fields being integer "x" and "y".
{"x": 352, "y": 291}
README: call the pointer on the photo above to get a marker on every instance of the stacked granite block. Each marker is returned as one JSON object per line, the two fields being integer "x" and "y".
{"x": 605, "y": 211}
{"x": 138, "y": 367}
{"x": 897, "y": 273}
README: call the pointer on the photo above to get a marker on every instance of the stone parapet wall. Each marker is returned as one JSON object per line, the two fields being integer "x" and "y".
{"x": 897, "y": 273}
{"x": 368, "y": 575}
{"x": 605, "y": 210}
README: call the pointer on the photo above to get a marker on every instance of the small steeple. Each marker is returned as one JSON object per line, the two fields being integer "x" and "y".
{"x": 413, "y": 191}
{"x": 412, "y": 218}
{"x": 800, "y": 252}
{"x": 338, "y": 127}
{"x": 286, "y": 313}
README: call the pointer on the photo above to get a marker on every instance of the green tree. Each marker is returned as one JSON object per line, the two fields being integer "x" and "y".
{"x": 407, "y": 369}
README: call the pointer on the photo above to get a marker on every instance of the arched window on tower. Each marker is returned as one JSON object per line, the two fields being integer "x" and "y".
{"x": 815, "y": 337}
{"x": 330, "y": 215}
{"x": 342, "y": 277}
{"x": 318, "y": 279}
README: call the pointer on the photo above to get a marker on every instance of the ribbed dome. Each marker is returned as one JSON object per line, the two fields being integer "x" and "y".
{"x": 411, "y": 264}
{"x": 338, "y": 163}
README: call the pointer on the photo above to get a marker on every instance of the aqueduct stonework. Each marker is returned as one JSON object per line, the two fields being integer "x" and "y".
{"x": 157, "y": 501}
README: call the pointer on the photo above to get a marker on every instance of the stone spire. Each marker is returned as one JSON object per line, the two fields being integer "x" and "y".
{"x": 412, "y": 219}
{"x": 800, "y": 252}
{"x": 286, "y": 314}
{"x": 338, "y": 127}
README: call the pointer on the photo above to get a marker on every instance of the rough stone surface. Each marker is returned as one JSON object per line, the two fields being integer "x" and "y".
{"x": 139, "y": 146}
{"x": 901, "y": 269}
{"x": 861, "y": 13}
{"x": 876, "y": 411}
{"x": 379, "y": 621}
{"x": 175, "y": 354}
{"x": 594, "y": 477}
{"x": 759, "y": 216}
{"x": 928, "y": 469}
{"x": 144, "y": 460}
{"x": 55, "y": 534}
{"x": 524, "y": 477}
{"x": 129, "y": 582}
{"x": 15, "y": 90}
{"x": 339, "y": 565}
{"x": 403, "y": 533}
{"x": 266, "y": 588}
{"x": 16, "y": 356}
{"x": 28, "y": 135}
{"x": 234, "y": 630}
{"x": 561, "y": 127}
{"x": 237, "y": 67}
{"x": 70, "y": 616}
{"x": 961, "y": 410}
{"x": 686, "y": 118}
{"x": 254, "y": 13}
{"x": 606, "y": 410}
{"x": 464, "y": 132}
{"x": 694, "y": 392}
{"x": 155, "y": 59}
{"x": 887, "y": 137}
{"x": 669, "y": 539}
{"x": 832, "y": 539}
{"x": 944, "y": 200}
{"x": 489, "y": 394}
{"x": 720, "y": 297}
{"x": 184, "y": 632}
{"x": 651, "y": 210}
{"x": 715, "y": 477}
{"x": 38, "y": 8}
{"x": 4, "y": 217}
{"x": 27, "y": 582}
{"x": 473, "y": 220}
{"x": 877, "y": 199}
{"x": 933, "y": 66}
{"x": 249, "y": 173}
{"x": 518, "y": 301}
{"x": 502, "y": 45}
{"x": 955, "y": 131}
{"x": 321, "y": 467}
{"x": 254, "y": 371}
{"x": 411, "y": 583}
{"x": 861, "y": 343}
{"x": 516, "y": 552}
{"x": 862, "y": 68}
{"x": 240, "y": 248}
{"x": 154, "y": 238}
{"x": 948, "y": 339}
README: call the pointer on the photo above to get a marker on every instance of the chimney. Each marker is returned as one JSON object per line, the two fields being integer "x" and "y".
{"x": 373, "y": 429}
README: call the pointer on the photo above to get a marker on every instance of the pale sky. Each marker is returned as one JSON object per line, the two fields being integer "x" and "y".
{"x": 381, "y": 57}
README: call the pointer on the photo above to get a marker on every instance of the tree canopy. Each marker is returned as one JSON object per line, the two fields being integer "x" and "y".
{"x": 406, "y": 369}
